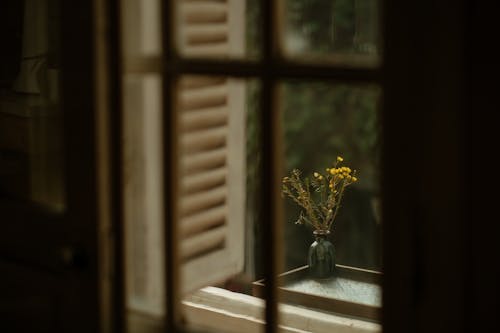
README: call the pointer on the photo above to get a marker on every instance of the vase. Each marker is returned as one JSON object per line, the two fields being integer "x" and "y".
{"x": 321, "y": 258}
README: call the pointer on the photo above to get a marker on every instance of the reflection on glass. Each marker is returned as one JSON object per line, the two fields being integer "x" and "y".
{"x": 31, "y": 161}
{"x": 218, "y": 29}
{"x": 219, "y": 229}
{"x": 340, "y": 31}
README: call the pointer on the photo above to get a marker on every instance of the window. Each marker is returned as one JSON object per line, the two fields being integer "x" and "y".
{"x": 192, "y": 88}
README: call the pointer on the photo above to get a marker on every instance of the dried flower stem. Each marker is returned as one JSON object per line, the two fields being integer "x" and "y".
{"x": 321, "y": 214}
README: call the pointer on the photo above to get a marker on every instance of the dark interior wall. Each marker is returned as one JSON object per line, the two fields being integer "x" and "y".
{"x": 11, "y": 15}
{"x": 481, "y": 245}
{"x": 441, "y": 266}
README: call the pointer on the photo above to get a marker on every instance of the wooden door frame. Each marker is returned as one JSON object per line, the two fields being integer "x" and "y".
{"x": 89, "y": 288}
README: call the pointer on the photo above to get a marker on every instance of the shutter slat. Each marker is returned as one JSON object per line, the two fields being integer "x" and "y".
{"x": 203, "y": 242}
{"x": 199, "y": 13}
{"x": 206, "y": 199}
{"x": 204, "y": 118}
{"x": 202, "y": 221}
{"x": 203, "y": 180}
{"x": 197, "y": 81}
{"x": 206, "y": 33}
{"x": 203, "y": 160}
{"x": 210, "y": 96}
{"x": 204, "y": 139}
{"x": 219, "y": 50}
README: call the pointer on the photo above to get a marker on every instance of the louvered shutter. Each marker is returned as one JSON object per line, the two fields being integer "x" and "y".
{"x": 211, "y": 28}
{"x": 212, "y": 186}
{"x": 212, "y": 153}
{"x": 212, "y": 147}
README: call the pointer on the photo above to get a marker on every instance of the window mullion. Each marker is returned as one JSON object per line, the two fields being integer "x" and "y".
{"x": 269, "y": 173}
{"x": 170, "y": 170}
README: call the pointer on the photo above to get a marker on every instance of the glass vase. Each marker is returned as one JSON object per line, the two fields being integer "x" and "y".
{"x": 321, "y": 258}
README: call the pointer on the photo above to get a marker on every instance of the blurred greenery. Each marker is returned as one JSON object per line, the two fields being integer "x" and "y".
{"x": 326, "y": 26}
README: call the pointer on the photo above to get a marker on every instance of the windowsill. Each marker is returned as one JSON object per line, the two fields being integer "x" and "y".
{"x": 353, "y": 292}
{"x": 224, "y": 311}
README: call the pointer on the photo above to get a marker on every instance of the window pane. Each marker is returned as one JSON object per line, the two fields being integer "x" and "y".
{"x": 331, "y": 135}
{"x": 218, "y": 29}
{"x": 343, "y": 32}
{"x": 31, "y": 142}
{"x": 219, "y": 221}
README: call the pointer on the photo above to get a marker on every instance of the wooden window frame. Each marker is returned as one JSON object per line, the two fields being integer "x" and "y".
{"x": 270, "y": 68}
{"x": 434, "y": 69}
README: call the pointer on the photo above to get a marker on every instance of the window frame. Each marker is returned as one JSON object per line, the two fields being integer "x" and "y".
{"x": 269, "y": 68}
{"x": 422, "y": 42}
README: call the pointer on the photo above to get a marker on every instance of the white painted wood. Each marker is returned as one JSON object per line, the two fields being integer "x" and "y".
{"x": 203, "y": 97}
{"x": 212, "y": 152}
{"x": 141, "y": 24}
{"x": 143, "y": 194}
{"x": 203, "y": 12}
{"x": 206, "y": 33}
{"x": 203, "y": 118}
{"x": 203, "y": 242}
{"x": 236, "y": 21}
{"x": 204, "y": 180}
{"x": 204, "y": 220}
{"x": 211, "y": 156}
{"x": 219, "y": 50}
{"x": 222, "y": 309}
{"x": 203, "y": 160}
{"x": 196, "y": 203}
{"x": 195, "y": 81}
{"x": 204, "y": 139}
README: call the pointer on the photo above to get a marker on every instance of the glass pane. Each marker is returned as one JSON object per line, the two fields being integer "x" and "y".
{"x": 218, "y": 29}
{"x": 143, "y": 205}
{"x": 219, "y": 216}
{"x": 31, "y": 149}
{"x": 332, "y": 224}
{"x": 344, "y": 32}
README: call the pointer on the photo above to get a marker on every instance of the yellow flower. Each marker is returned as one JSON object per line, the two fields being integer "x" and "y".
{"x": 327, "y": 169}
{"x": 316, "y": 175}
{"x": 320, "y": 177}
{"x": 333, "y": 171}
{"x": 341, "y": 176}
{"x": 339, "y": 158}
{"x": 354, "y": 179}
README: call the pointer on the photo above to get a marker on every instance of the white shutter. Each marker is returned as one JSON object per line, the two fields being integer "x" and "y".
{"x": 212, "y": 146}
{"x": 211, "y": 28}
{"x": 212, "y": 162}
